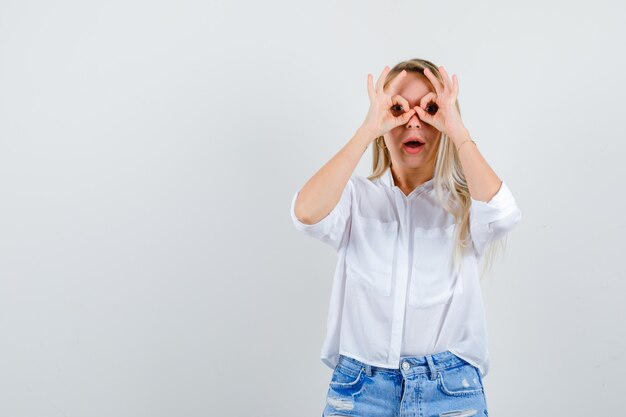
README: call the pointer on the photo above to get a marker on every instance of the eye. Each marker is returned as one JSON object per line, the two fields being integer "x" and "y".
{"x": 397, "y": 109}
{"x": 432, "y": 108}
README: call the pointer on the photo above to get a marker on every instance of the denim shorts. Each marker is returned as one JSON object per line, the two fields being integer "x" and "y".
{"x": 437, "y": 385}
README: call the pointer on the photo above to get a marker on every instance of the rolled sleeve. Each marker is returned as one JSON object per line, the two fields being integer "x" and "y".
{"x": 493, "y": 219}
{"x": 332, "y": 227}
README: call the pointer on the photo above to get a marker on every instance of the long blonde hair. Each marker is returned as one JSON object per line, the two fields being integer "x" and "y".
{"x": 448, "y": 175}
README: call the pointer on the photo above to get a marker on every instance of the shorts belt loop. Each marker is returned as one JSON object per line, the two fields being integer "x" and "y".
{"x": 368, "y": 369}
{"x": 431, "y": 366}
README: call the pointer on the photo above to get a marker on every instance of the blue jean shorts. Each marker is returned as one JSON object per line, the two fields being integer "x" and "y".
{"x": 437, "y": 385}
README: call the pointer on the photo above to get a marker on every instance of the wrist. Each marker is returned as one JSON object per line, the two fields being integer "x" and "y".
{"x": 459, "y": 136}
{"x": 368, "y": 132}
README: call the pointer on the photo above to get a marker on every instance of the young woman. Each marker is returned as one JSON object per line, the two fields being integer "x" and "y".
{"x": 406, "y": 327}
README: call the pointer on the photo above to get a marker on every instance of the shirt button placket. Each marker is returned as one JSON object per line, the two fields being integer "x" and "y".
{"x": 401, "y": 278}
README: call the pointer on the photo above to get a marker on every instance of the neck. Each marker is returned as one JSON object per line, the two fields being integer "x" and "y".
{"x": 409, "y": 179}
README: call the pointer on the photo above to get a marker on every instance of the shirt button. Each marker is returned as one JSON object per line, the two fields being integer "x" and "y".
{"x": 405, "y": 365}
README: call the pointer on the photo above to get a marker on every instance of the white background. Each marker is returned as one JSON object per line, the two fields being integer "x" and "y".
{"x": 149, "y": 151}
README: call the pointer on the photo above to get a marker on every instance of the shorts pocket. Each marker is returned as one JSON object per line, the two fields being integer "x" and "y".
{"x": 370, "y": 252}
{"x": 432, "y": 276}
{"x": 462, "y": 380}
{"x": 346, "y": 380}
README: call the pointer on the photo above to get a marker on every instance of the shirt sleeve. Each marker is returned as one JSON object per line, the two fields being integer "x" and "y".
{"x": 493, "y": 219}
{"x": 331, "y": 228}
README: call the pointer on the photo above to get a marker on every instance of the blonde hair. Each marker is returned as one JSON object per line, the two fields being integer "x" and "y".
{"x": 448, "y": 175}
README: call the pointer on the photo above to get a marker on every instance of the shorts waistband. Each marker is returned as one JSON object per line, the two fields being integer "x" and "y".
{"x": 409, "y": 365}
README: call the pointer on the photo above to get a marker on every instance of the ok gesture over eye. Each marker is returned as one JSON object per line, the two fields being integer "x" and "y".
{"x": 387, "y": 110}
{"x": 447, "y": 118}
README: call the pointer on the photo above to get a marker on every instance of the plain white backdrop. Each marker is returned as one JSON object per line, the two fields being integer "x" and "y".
{"x": 149, "y": 151}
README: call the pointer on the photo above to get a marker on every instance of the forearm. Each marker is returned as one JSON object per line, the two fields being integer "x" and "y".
{"x": 321, "y": 193}
{"x": 482, "y": 181}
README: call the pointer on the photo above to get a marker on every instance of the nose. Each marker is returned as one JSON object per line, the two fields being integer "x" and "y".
{"x": 414, "y": 121}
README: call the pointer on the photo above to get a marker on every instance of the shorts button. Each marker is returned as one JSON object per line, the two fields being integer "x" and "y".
{"x": 405, "y": 365}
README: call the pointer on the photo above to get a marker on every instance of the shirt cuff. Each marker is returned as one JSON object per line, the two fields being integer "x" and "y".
{"x": 501, "y": 205}
{"x": 304, "y": 227}
{"x": 332, "y": 227}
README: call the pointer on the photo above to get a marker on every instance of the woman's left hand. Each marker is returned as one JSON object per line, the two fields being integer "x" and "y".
{"x": 447, "y": 118}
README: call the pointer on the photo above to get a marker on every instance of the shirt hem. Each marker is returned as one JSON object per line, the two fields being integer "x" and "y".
{"x": 328, "y": 360}
{"x": 373, "y": 363}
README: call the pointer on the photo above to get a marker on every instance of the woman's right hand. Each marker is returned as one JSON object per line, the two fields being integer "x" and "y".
{"x": 386, "y": 109}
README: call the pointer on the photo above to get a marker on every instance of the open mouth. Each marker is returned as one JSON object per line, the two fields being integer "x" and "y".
{"x": 414, "y": 144}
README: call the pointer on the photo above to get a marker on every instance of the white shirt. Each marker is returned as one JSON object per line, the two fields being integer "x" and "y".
{"x": 393, "y": 292}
